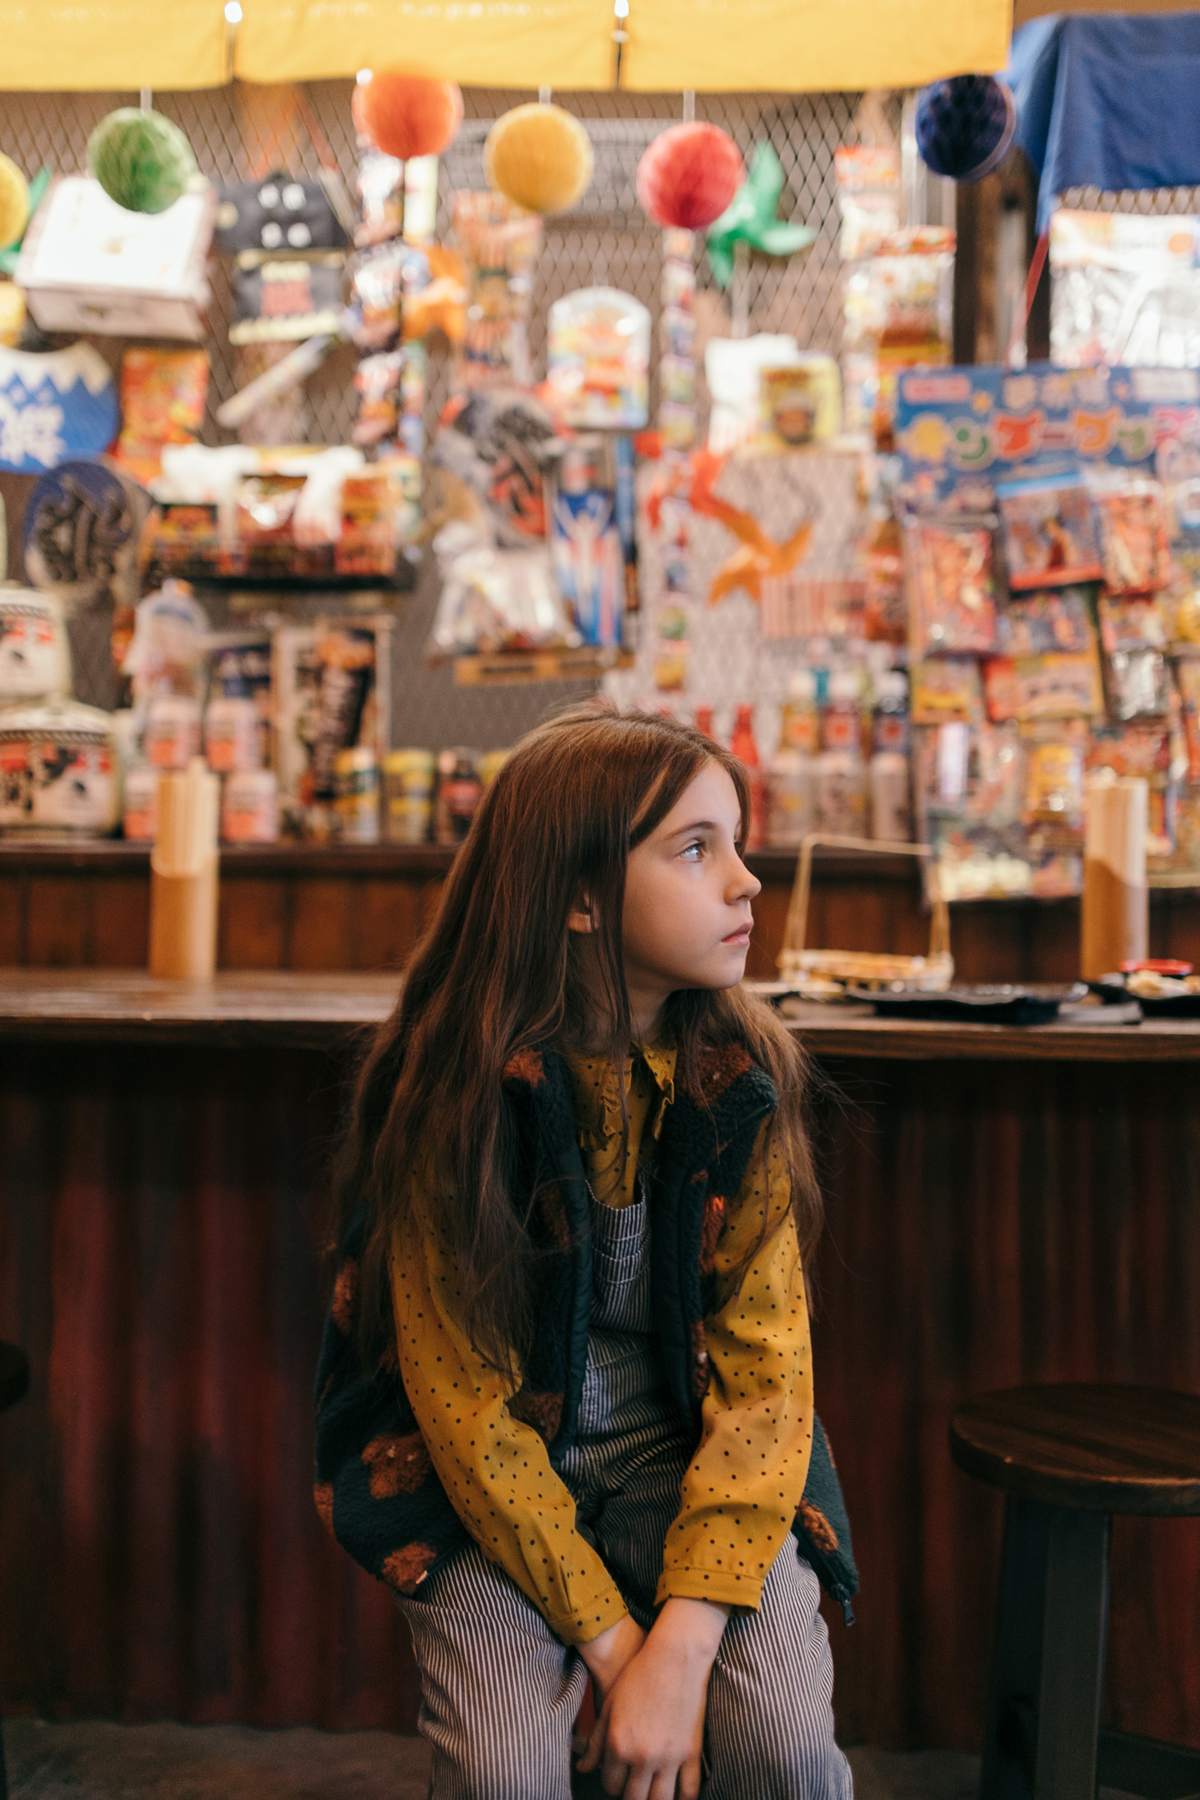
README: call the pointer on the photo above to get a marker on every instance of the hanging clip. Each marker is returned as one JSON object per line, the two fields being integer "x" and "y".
{"x": 620, "y": 36}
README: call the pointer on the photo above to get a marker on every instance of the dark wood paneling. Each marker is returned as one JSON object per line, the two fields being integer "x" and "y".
{"x": 59, "y": 922}
{"x": 120, "y": 922}
{"x": 387, "y": 923}
{"x": 322, "y": 924}
{"x": 253, "y": 925}
{"x": 12, "y": 918}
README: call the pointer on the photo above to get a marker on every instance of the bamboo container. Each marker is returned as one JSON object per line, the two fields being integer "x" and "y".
{"x": 183, "y": 876}
{"x": 1116, "y": 905}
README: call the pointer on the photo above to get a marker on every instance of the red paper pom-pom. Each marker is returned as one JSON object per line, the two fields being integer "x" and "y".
{"x": 409, "y": 115}
{"x": 688, "y": 175}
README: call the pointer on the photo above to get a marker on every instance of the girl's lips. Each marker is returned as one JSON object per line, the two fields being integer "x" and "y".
{"x": 742, "y": 934}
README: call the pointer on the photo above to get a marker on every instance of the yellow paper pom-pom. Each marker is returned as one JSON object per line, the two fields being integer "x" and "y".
{"x": 14, "y": 202}
{"x": 539, "y": 157}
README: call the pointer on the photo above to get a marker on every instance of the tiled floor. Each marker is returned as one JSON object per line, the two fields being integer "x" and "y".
{"x": 92, "y": 1761}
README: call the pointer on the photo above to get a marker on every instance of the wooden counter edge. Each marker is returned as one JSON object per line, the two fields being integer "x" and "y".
{"x": 322, "y": 1011}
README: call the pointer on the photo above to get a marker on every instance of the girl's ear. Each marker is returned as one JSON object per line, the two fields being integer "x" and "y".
{"x": 582, "y": 916}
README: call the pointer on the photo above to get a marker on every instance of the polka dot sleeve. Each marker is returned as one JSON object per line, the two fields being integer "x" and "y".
{"x": 743, "y": 1486}
{"x": 495, "y": 1469}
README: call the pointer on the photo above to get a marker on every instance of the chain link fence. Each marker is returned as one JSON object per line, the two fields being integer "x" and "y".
{"x": 240, "y": 132}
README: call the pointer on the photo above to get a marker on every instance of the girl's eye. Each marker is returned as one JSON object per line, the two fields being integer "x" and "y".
{"x": 698, "y": 846}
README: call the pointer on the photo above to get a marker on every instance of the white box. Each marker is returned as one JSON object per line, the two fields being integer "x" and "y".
{"x": 88, "y": 265}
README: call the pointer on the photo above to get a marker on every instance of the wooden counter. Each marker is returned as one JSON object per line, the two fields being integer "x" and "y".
{"x": 310, "y": 908}
{"x": 1003, "y": 1205}
{"x": 310, "y": 1011}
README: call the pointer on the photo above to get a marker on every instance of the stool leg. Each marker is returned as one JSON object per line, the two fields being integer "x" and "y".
{"x": 1073, "y": 1642}
{"x": 1010, "y": 1733}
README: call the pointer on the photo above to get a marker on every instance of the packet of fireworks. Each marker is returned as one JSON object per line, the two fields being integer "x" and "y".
{"x": 1049, "y": 532}
{"x": 1133, "y": 532}
{"x": 952, "y": 586}
{"x": 946, "y": 688}
{"x": 1055, "y": 620}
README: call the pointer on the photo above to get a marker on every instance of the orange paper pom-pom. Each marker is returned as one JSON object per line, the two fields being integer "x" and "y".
{"x": 408, "y": 115}
{"x": 689, "y": 174}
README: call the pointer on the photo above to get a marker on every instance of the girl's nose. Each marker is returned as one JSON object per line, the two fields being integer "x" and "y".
{"x": 745, "y": 885}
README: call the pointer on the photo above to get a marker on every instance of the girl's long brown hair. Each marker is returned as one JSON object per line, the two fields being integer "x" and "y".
{"x": 498, "y": 970}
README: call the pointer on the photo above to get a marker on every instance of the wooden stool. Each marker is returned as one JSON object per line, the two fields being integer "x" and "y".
{"x": 14, "y": 1385}
{"x": 1068, "y": 1458}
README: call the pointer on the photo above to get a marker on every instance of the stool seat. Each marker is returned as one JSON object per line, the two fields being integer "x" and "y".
{"x": 14, "y": 1375}
{"x": 1087, "y": 1448}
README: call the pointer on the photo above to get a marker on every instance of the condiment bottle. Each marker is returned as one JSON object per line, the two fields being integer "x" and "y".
{"x": 840, "y": 777}
{"x": 891, "y": 810}
{"x": 745, "y": 748}
{"x": 458, "y": 792}
{"x": 790, "y": 776}
{"x": 704, "y": 721}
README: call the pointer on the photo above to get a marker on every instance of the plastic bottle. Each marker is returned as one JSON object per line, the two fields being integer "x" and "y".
{"x": 745, "y": 748}
{"x": 840, "y": 776}
{"x": 790, "y": 777}
{"x": 704, "y": 721}
{"x": 891, "y": 808}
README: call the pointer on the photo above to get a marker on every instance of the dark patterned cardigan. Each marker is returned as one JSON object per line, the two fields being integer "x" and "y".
{"x": 375, "y": 1484}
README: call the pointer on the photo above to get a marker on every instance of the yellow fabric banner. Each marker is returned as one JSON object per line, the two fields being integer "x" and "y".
{"x": 479, "y": 43}
{"x": 810, "y": 46}
{"x": 114, "y": 46}
{"x": 714, "y": 46}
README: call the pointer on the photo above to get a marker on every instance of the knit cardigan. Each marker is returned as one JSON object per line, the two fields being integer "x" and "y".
{"x": 376, "y": 1488}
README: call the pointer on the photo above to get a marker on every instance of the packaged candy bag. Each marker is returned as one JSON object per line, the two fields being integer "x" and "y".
{"x": 599, "y": 359}
{"x": 952, "y": 587}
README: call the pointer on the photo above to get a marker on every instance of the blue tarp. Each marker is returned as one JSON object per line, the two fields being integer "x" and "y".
{"x": 1108, "y": 100}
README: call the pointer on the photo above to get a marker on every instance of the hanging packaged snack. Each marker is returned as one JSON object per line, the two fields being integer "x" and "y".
{"x": 163, "y": 393}
{"x": 1187, "y": 674}
{"x": 946, "y": 688}
{"x": 1055, "y": 620}
{"x": 495, "y": 444}
{"x": 283, "y": 299}
{"x": 277, "y": 213}
{"x": 868, "y": 187}
{"x": 1138, "y": 684}
{"x": 799, "y": 403}
{"x": 380, "y": 198}
{"x": 1049, "y": 531}
{"x": 1060, "y": 685}
{"x": 500, "y": 245}
{"x": 1052, "y": 774}
{"x": 1133, "y": 532}
{"x": 494, "y": 600}
{"x": 952, "y": 586}
{"x": 585, "y": 540}
{"x": 598, "y": 360}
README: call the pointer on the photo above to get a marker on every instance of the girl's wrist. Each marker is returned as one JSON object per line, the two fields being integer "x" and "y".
{"x": 695, "y": 1626}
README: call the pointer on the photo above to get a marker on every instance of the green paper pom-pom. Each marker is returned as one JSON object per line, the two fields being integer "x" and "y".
{"x": 140, "y": 159}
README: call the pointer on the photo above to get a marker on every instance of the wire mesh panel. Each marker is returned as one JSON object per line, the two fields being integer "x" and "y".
{"x": 239, "y": 132}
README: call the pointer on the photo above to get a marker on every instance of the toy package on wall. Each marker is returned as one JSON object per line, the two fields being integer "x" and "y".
{"x": 1049, "y": 532}
{"x": 598, "y": 359}
{"x": 952, "y": 586}
{"x": 331, "y": 686}
{"x": 1125, "y": 289}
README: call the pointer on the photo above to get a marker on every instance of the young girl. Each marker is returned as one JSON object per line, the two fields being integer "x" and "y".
{"x": 565, "y": 1392}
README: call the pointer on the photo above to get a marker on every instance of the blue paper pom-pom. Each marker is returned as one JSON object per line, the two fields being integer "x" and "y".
{"x": 965, "y": 125}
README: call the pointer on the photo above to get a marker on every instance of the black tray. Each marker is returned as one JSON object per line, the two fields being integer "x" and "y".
{"x": 1168, "y": 1006}
{"x": 1035, "y": 1004}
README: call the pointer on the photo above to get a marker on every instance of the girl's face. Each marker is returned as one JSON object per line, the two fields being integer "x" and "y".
{"x": 686, "y": 921}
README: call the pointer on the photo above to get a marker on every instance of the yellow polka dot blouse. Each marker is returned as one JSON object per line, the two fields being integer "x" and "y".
{"x": 743, "y": 1485}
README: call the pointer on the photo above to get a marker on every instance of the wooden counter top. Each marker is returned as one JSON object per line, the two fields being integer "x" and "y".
{"x": 299, "y": 1010}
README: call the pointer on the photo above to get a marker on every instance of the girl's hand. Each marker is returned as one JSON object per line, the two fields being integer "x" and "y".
{"x": 650, "y": 1732}
{"x": 606, "y": 1656}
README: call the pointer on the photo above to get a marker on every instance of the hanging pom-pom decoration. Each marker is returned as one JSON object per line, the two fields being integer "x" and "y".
{"x": 140, "y": 159}
{"x": 965, "y": 125}
{"x": 688, "y": 175}
{"x": 14, "y": 202}
{"x": 539, "y": 157}
{"x": 408, "y": 115}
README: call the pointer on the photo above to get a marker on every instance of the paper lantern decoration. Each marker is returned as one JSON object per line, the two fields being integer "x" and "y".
{"x": 965, "y": 125}
{"x": 408, "y": 115}
{"x": 689, "y": 175}
{"x": 14, "y": 202}
{"x": 539, "y": 157}
{"x": 140, "y": 159}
